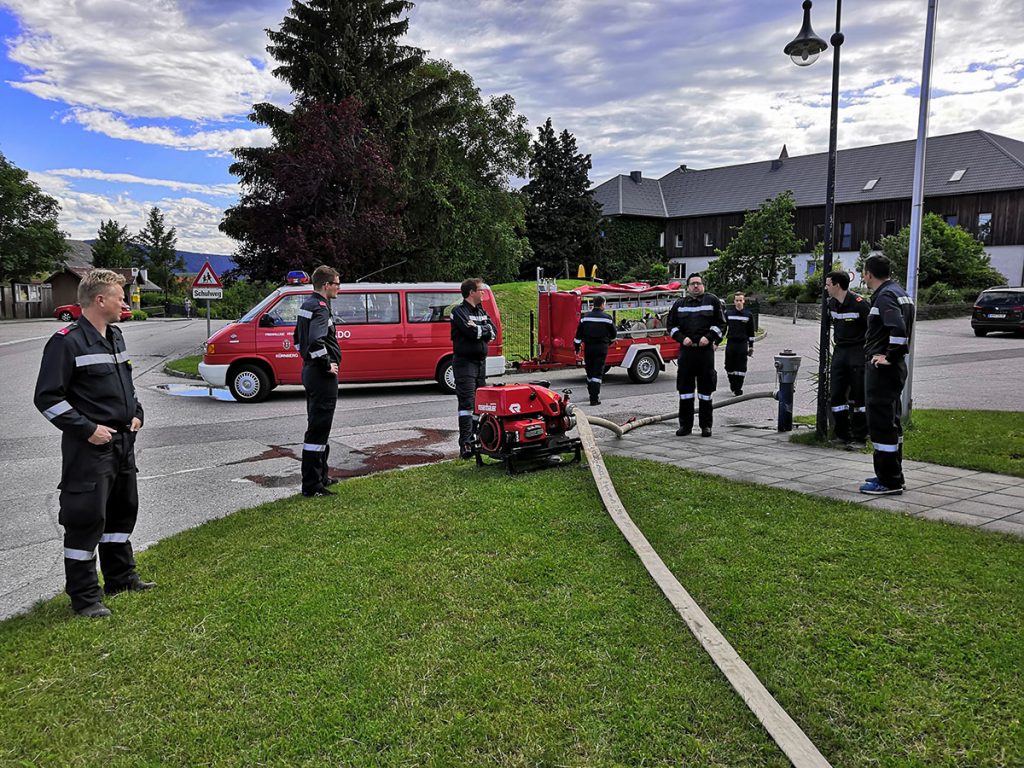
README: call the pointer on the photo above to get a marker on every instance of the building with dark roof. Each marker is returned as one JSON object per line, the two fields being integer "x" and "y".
{"x": 974, "y": 180}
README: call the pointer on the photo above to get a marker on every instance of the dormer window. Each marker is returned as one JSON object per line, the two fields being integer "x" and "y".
{"x": 870, "y": 185}
{"x": 957, "y": 174}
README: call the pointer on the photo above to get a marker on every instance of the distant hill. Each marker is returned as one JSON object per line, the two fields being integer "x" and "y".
{"x": 80, "y": 255}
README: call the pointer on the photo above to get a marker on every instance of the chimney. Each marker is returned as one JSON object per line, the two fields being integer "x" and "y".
{"x": 783, "y": 155}
{"x": 682, "y": 167}
{"x": 636, "y": 176}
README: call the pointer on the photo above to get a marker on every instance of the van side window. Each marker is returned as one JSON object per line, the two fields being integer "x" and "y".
{"x": 432, "y": 306}
{"x": 363, "y": 308}
{"x": 286, "y": 310}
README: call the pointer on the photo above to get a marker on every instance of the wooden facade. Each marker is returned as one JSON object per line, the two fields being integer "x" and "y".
{"x": 690, "y": 237}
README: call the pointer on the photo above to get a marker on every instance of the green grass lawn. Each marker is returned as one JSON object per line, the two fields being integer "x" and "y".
{"x": 451, "y": 616}
{"x": 188, "y": 364}
{"x": 520, "y": 298}
{"x": 988, "y": 441}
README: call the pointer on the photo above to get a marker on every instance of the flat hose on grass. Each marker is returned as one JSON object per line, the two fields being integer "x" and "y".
{"x": 780, "y": 726}
{"x": 621, "y": 429}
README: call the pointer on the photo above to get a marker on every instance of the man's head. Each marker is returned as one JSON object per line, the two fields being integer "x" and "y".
{"x": 837, "y": 284}
{"x": 877, "y": 269}
{"x": 739, "y": 299}
{"x": 325, "y": 281}
{"x": 471, "y": 289}
{"x": 599, "y": 302}
{"x": 695, "y": 284}
{"x": 101, "y": 294}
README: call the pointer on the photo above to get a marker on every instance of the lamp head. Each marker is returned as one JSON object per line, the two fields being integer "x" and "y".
{"x": 805, "y": 48}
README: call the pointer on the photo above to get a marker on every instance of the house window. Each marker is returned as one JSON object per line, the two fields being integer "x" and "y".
{"x": 952, "y": 219}
{"x": 708, "y": 242}
{"x": 985, "y": 227}
{"x": 819, "y": 234}
{"x": 870, "y": 185}
{"x": 957, "y": 174}
{"x": 791, "y": 272}
{"x": 890, "y": 227}
{"x": 679, "y": 241}
{"x": 661, "y": 240}
{"x": 679, "y": 269}
{"x": 846, "y": 243}
{"x": 811, "y": 266}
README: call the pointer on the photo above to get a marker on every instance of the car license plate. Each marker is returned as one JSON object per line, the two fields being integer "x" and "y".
{"x": 999, "y": 316}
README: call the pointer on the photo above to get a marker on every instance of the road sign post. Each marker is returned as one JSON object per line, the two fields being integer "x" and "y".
{"x": 207, "y": 286}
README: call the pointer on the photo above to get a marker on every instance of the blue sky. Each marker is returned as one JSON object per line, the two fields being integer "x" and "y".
{"x": 114, "y": 106}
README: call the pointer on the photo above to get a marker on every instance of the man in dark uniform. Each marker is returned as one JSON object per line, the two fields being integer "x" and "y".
{"x": 849, "y": 314}
{"x": 886, "y": 344}
{"x": 85, "y": 389}
{"x": 595, "y": 332}
{"x": 472, "y": 329}
{"x": 697, "y": 322}
{"x": 739, "y": 342}
{"x": 317, "y": 342}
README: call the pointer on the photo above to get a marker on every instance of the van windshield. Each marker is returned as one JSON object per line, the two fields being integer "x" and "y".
{"x": 249, "y": 316}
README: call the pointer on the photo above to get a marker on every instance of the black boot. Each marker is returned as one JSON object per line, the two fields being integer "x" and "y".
{"x": 685, "y": 418}
{"x": 465, "y": 437}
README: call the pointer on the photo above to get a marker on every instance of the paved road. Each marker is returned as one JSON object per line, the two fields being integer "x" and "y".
{"x": 202, "y": 458}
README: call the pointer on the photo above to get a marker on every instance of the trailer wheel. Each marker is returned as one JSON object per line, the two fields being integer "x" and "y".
{"x": 645, "y": 368}
{"x": 446, "y": 376}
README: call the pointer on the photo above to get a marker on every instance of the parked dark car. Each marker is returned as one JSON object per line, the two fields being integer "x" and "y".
{"x": 999, "y": 309}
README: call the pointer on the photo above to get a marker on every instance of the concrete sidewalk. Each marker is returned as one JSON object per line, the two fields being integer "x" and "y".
{"x": 758, "y": 454}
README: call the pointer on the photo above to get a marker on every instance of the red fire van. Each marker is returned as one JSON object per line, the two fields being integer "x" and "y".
{"x": 387, "y": 332}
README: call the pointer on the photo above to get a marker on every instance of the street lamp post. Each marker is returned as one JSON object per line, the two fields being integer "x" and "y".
{"x": 804, "y": 50}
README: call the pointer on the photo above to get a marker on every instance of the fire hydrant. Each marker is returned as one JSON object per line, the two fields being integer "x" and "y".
{"x": 787, "y": 364}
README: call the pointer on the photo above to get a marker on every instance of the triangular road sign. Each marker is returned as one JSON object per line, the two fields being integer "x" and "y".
{"x": 207, "y": 278}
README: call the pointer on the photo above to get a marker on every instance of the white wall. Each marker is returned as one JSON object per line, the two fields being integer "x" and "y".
{"x": 1008, "y": 259}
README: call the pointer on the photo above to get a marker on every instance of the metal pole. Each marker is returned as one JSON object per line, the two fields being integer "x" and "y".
{"x": 824, "y": 345}
{"x": 531, "y": 335}
{"x": 917, "y": 206}
{"x": 209, "y": 390}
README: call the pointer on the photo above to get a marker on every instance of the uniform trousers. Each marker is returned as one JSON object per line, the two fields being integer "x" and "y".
{"x": 594, "y": 356}
{"x": 99, "y": 503}
{"x": 883, "y": 386}
{"x": 321, "y": 400}
{"x": 736, "y": 364}
{"x": 469, "y": 375}
{"x": 696, "y": 371}
{"x": 846, "y": 393}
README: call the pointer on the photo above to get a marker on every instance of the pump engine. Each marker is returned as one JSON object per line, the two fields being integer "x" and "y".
{"x": 524, "y": 425}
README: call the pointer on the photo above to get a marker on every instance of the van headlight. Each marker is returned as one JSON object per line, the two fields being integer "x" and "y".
{"x": 209, "y": 348}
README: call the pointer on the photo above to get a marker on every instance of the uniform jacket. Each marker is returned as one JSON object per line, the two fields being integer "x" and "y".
{"x": 740, "y": 327}
{"x": 470, "y": 341}
{"x": 890, "y": 321}
{"x": 693, "y": 318}
{"x": 849, "y": 319}
{"x": 596, "y": 330}
{"x": 86, "y": 380}
{"x": 314, "y": 336}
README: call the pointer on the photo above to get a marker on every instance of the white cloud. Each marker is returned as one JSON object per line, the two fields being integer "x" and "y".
{"x": 81, "y": 213}
{"x": 218, "y": 142}
{"x": 214, "y": 190}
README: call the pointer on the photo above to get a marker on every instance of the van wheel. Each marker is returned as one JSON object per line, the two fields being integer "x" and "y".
{"x": 249, "y": 383}
{"x": 645, "y": 368}
{"x": 66, "y": 316}
{"x": 980, "y": 332}
{"x": 446, "y": 376}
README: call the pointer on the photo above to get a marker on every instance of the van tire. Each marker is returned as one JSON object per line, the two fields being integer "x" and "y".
{"x": 249, "y": 383}
{"x": 445, "y": 376}
{"x": 645, "y": 368}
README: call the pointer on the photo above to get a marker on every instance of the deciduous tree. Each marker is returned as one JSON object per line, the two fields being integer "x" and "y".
{"x": 31, "y": 241}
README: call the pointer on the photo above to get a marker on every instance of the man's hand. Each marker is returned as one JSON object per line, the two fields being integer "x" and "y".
{"x": 704, "y": 341}
{"x": 687, "y": 342}
{"x": 877, "y": 360}
{"x": 102, "y": 435}
{"x": 136, "y": 424}
{"x": 334, "y": 368}
{"x": 750, "y": 352}
{"x": 471, "y": 323}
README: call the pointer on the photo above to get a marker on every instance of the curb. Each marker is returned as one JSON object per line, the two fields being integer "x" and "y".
{"x": 179, "y": 375}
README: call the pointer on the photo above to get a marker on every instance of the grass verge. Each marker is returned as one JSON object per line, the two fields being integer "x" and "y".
{"x": 505, "y": 622}
{"x": 187, "y": 365}
{"x": 988, "y": 441}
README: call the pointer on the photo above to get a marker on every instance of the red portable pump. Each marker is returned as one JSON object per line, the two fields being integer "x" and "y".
{"x": 522, "y": 424}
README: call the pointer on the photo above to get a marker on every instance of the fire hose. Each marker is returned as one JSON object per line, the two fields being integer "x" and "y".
{"x": 780, "y": 726}
{"x": 622, "y": 429}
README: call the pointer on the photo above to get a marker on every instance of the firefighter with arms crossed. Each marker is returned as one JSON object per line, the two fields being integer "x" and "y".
{"x": 85, "y": 389}
{"x": 886, "y": 344}
{"x": 696, "y": 321}
{"x": 595, "y": 332}
{"x": 739, "y": 342}
{"x": 317, "y": 342}
{"x": 849, "y": 313}
{"x": 471, "y": 330}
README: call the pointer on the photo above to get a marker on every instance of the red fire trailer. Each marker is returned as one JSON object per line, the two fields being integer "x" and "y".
{"x": 643, "y": 345}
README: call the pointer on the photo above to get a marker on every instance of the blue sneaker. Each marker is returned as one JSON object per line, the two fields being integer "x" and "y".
{"x": 877, "y": 489}
{"x": 874, "y": 480}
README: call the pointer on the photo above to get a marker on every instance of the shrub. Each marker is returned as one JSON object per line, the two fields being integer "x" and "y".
{"x": 791, "y": 291}
{"x": 138, "y": 314}
{"x": 941, "y": 293}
